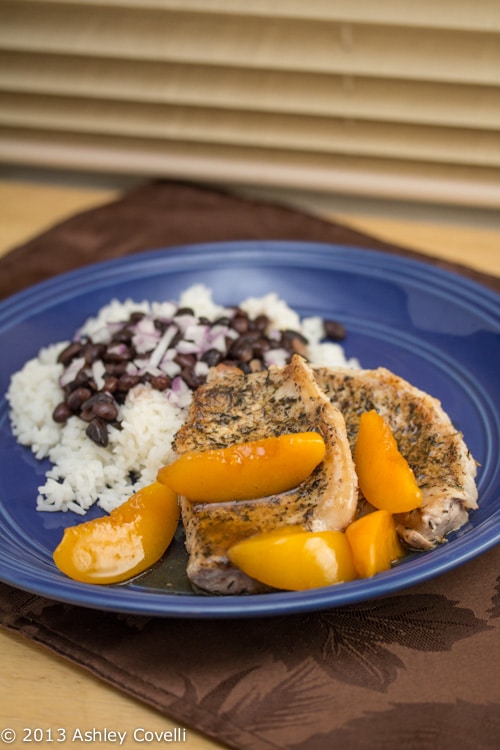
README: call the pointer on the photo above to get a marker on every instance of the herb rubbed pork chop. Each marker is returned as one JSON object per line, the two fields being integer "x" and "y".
{"x": 233, "y": 408}
{"x": 443, "y": 466}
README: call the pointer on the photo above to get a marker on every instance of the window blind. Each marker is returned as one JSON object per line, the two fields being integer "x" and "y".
{"x": 390, "y": 99}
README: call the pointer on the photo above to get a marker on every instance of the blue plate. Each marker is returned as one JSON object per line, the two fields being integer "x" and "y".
{"x": 437, "y": 329}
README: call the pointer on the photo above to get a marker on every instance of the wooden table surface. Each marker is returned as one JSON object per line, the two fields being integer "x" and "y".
{"x": 39, "y": 690}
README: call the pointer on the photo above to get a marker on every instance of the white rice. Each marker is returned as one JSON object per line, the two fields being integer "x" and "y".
{"x": 83, "y": 473}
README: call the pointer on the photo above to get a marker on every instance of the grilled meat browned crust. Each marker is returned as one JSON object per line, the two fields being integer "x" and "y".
{"x": 233, "y": 408}
{"x": 443, "y": 466}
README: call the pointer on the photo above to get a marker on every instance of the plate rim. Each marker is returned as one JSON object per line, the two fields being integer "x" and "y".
{"x": 240, "y": 246}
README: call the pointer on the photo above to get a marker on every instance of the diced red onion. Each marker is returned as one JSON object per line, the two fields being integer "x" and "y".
{"x": 187, "y": 347}
{"x": 221, "y": 330}
{"x": 170, "y": 368}
{"x": 146, "y": 335}
{"x": 180, "y": 394}
{"x": 197, "y": 334}
{"x": 132, "y": 368}
{"x": 169, "y": 355}
{"x": 274, "y": 334}
{"x": 146, "y": 325}
{"x": 72, "y": 371}
{"x": 151, "y": 370}
{"x": 219, "y": 342}
{"x": 159, "y": 352}
{"x": 118, "y": 349}
{"x": 185, "y": 320}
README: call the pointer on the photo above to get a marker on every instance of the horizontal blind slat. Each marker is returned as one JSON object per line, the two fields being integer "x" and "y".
{"x": 324, "y": 47}
{"x": 301, "y": 133}
{"x": 266, "y": 91}
{"x": 482, "y": 15}
{"x": 398, "y": 180}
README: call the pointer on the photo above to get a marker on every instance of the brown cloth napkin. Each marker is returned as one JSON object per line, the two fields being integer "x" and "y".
{"x": 166, "y": 214}
{"x": 417, "y": 670}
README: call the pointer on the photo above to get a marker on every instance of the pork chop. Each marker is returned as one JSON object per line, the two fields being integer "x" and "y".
{"x": 443, "y": 466}
{"x": 233, "y": 408}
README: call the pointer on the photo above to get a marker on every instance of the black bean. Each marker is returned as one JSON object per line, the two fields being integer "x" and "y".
{"x": 334, "y": 330}
{"x": 161, "y": 325}
{"x": 116, "y": 368}
{"x": 61, "y": 413}
{"x": 77, "y": 398}
{"x": 288, "y": 338}
{"x": 184, "y": 311}
{"x": 107, "y": 410}
{"x": 101, "y": 397}
{"x": 87, "y": 354}
{"x": 211, "y": 357}
{"x": 69, "y": 353}
{"x": 223, "y": 321}
{"x": 127, "y": 381}
{"x": 228, "y": 342}
{"x": 261, "y": 346}
{"x": 136, "y": 316}
{"x": 240, "y": 323}
{"x": 260, "y": 323}
{"x": 81, "y": 379}
{"x": 177, "y": 337}
{"x": 161, "y": 382}
{"x": 185, "y": 360}
{"x": 98, "y": 432}
{"x": 110, "y": 384}
{"x": 189, "y": 377}
{"x": 253, "y": 335}
{"x": 294, "y": 342}
{"x": 241, "y": 350}
{"x": 93, "y": 352}
{"x": 298, "y": 347}
{"x": 123, "y": 336}
{"x": 246, "y": 338}
{"x": 118, "y": 353}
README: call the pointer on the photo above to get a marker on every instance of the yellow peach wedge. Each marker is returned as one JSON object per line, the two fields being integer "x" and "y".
{"x": 114, "y": 548}
{"x": 374, "y": 543}
{"x": 385, "y": 478}
{"x": 295, "y": 560}
{"x": 246, "y": 470}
